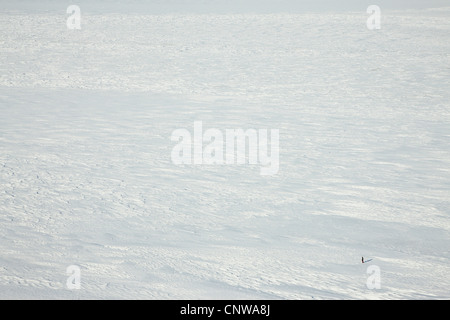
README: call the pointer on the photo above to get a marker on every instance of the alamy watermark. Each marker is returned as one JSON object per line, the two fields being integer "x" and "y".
{"x": 74, "y": 20}
{"x": 374, "y": 278}
{"x": 233, "y": 146}
{"x": 374, "y": 20}
{"x": 73, "y": 281}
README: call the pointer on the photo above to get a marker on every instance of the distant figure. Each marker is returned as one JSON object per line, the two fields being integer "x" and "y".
{"x": 362, "y": 259}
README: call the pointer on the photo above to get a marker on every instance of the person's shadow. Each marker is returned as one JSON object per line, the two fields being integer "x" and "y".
{"x": 365, "y": 261}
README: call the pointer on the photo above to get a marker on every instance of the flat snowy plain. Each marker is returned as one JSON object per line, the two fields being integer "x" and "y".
{"x": 86, "y": 176}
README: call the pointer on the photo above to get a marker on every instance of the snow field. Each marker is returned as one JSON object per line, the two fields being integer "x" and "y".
{"x": 87, "y": 179}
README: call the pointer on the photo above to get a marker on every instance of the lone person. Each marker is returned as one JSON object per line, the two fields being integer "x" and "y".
{"x": 362, "y": 259}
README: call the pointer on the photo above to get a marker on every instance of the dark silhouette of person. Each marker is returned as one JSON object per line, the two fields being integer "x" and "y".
{"x": 362, "y": 259}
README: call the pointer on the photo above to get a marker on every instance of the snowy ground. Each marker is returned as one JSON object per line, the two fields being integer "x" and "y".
{"x": 85, "y": 155}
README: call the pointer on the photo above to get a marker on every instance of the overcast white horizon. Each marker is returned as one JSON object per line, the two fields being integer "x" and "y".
{"x": 217, "y": 6}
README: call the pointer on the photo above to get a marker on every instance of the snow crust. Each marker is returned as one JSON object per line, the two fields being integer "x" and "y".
{"x": 87, "y": 179}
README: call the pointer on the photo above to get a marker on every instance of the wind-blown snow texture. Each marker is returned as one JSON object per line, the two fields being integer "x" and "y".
{"x": 87, "y": 179}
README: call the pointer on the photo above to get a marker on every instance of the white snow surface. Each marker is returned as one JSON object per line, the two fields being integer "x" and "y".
{"x": 87, "y": 179}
